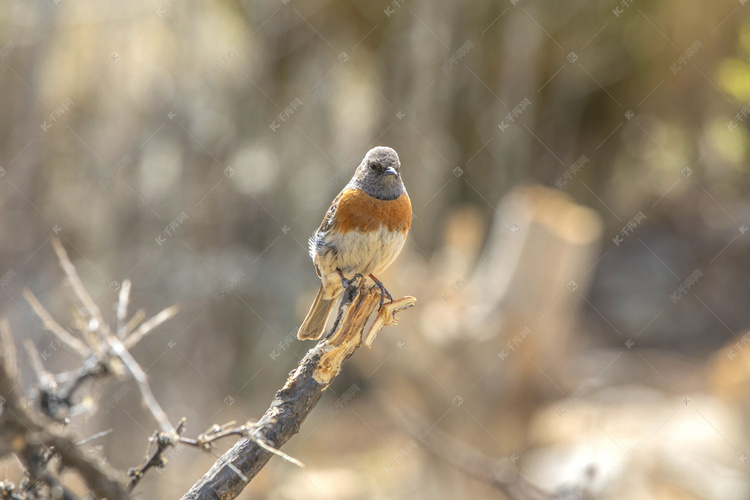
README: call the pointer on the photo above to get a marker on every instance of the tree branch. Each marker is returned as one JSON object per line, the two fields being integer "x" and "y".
{"x": 27, "y": 428}
{"x": 24, "y": 433}
{"x": 302, "y": 391}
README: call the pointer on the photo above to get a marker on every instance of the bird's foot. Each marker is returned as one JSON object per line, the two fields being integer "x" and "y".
{"x": 383, "y": 292}
{"x": 346, "y": 283}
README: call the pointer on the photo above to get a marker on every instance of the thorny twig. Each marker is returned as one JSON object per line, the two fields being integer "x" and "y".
{"x": 155, "y": 457}
{"x": 205, "y": 441}
{"x": 26, "y": 434}
{"x": 98, "y": 351}
{"x": 161, "y": 443}
{"x": 116, "y": 347}
{"x": 101, "y": 346}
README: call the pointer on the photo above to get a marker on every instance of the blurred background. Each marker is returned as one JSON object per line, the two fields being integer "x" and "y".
{"x": 579, "y": 251}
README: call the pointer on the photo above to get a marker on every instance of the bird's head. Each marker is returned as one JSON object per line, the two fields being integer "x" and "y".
{"x": 379, "y": 174}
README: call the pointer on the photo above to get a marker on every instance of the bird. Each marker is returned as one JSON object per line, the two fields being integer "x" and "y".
{"x": 362, "y": 233}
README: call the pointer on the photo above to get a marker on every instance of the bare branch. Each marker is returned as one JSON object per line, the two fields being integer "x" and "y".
{"x": 89, "y": 329}
{"x": 43, "y": 377}
{"x": 294, "y": 402}
{"x": 205, "y": 441}
{"x": 263, "y": 444}
{"x": 95, "y": 322}
{"x": 156, "y": 457}
{"x": 149, "y": 325}
{"x": 29, "y": 437}
{"x": 52, "y": 326}
{"x": 387, "y": 316}
{"x": 9, "y": 358}
{"x": 135, "y": 320}
{"x": 142, "y": 380}
{"x": 106, "y": 345}
{"x": 95, "y": 436}
{"x": 75, "y": 281}
{"x": 122, "y": 308}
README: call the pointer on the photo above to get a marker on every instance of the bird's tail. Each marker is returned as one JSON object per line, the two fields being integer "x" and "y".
{"x": 315, "y": 322}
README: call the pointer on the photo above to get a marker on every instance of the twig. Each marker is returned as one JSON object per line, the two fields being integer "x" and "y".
{"x": 156, "y": 457}
{"x": 263, "y": 444}
{"x": 149, "y": 325}
{"x": 205, "y": 441}
{"x": 24, "y": 433}
{"x": 95, "y": 436}
{"x": 69, "y": 382}
{"x": 135, "y": 320}
{"x": 122, "y": 308}
{"x": 142, "y": 380}
{"x": 43, "y": 377}
{"x": 88, "y": 329}
{"x": 54, "y": 327}
{"x": 9, "y": 359}
{"x": 95, "y": 322}
{"x": 75, "y": 281}
{"x": 103, "y": 344}
{"x": 294, "y": 402}
{"x": 387, "y": 316}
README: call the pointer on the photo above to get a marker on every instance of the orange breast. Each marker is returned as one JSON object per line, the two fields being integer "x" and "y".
{"x": 359, "y": 210}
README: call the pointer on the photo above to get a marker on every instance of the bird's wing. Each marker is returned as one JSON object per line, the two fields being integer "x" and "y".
{"x": 319, "y": 236}
{"x": 330, "y": 219}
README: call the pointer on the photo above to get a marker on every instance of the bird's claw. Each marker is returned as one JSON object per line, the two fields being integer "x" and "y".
{"x": 346, "y": 283}
{"x": 383, "y": 293}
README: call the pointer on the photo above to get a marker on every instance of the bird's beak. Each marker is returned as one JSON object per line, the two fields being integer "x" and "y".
{"x": 390, "y": 171}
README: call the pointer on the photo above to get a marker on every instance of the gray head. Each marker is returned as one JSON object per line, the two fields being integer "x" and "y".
{"x": 379, "y": 174}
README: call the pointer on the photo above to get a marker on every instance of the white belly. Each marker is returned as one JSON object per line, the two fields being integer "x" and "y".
{"x": 356, "y": 252}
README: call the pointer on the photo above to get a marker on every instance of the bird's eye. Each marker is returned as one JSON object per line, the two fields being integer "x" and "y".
{"x": 373, "y": 166}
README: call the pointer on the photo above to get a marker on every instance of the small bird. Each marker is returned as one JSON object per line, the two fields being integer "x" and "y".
{"x": 362, "y": 233}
